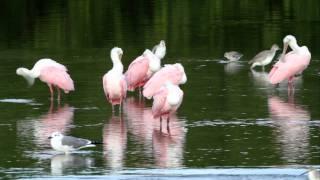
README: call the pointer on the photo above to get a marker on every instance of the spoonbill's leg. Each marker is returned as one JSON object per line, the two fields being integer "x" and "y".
{"x": 51, "y": 92}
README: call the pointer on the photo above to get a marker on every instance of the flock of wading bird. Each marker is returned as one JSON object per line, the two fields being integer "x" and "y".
{"x": 153, "y": 81}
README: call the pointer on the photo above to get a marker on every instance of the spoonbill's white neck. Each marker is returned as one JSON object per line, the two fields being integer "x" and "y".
{"x": 160, "y": 51}
{"x": 117, "y": 65}
{"x": 291, "y": 41}
{"x": 29, "y": 75}
{"x": 294, "y": 46}
{"x": 154, "y": 63}
{"x": 116, "y": 54}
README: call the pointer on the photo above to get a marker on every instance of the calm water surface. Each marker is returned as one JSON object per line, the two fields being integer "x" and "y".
{"x": 230, "y": 117}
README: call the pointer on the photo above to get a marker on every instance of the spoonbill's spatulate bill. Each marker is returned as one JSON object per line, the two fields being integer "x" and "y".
{"x": 264, "y": 57}
{"x": 290, "y": 64}
{"x": 50, "y": 72}
{"x": 114, "y": 84}
{"x": 67, "y": 144}
{"x": 143, "y": 67}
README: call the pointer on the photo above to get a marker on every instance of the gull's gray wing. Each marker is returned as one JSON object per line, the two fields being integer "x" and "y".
{"x": 75, "y": 142}
{"x": 260, "y": 56}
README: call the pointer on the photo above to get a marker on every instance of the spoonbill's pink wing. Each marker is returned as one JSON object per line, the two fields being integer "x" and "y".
{"x": 57, "y": 77}
{"x": 167, "y": 73}
{"x": 292, "y": 64}
{"x": 159, "y": 100}
{"x": 136, "y": 74}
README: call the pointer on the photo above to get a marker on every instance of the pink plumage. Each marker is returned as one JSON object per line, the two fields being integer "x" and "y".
{"x": 114, "y": 84}
{"x": 166, "y": 100}
{"x": 136, "y": 75}
{"x": 115, "y": 90}
{"x": 141, "y": 69}
{"x": 173, "y": 73}
{"x": 290, "y": 64}
{"x": 286, "y": 69}
{"x": 57, "y": 77}
{"x": 50, "y": 72}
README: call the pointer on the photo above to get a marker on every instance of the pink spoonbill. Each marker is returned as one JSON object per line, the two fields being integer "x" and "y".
{"x": 166, "y": 101}
{"x": 50, "y": 72}
{"x": 290, "y": 64}
{"x": 144, "y": 66}
{"x": 114, "y": 84}
{"x": 170, "y": 72}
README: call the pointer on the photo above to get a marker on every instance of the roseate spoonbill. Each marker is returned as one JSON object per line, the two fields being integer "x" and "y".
{"x": 290, "y": 64}
{"x": 143, "y": 67}
{"x": 67, "y": 144}
{"x": 114, "y": 84}
{"x": 170, "y": 72}
{"x": 233, "y": 55}
{"x": 166, "y": 101}
{"x": 50, "y": 72}
{"x": 264, "y": 58}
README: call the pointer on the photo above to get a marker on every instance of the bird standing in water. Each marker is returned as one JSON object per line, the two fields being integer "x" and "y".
{"x": 166, "y": 101}
{"x": 114, "y": 84}
{"x": 50, "y": 72}
{"x": 67, "y": 144}
{"x": 143, "y": 67}
{"x": 264, "y": 57}
{"x": 170, "y": 72}
{"x": 290, "y": 64}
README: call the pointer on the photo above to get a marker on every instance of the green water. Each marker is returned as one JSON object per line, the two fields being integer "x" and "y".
{"x": 230, "y": 116}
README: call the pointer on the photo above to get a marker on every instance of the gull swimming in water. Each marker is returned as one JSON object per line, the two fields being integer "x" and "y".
{"x": 66, "y": 144}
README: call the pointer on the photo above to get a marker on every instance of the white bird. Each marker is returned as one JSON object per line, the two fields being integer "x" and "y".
{"x": 114, "y": 84}
{"x": 67, "y": 144}
{"x": 160, "y": 49}
{"x": 264, "y": 57}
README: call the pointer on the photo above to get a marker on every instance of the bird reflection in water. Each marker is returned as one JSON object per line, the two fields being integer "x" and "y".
{"x": 140, "y": 123}
{"x": 54, "y": 120}
{"x": 166, "y": 146}
{"x": 61, "y": 163}
{"x": 232, "y": 67}
{"x": 42, "y": 127}
{"x": 261, "y": 81}
{"x": 115, "y": 142}
{"x": 292, "y": 128}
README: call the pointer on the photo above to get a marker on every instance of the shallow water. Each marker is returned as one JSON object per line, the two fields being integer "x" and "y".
{"x": 230, "y": 116}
